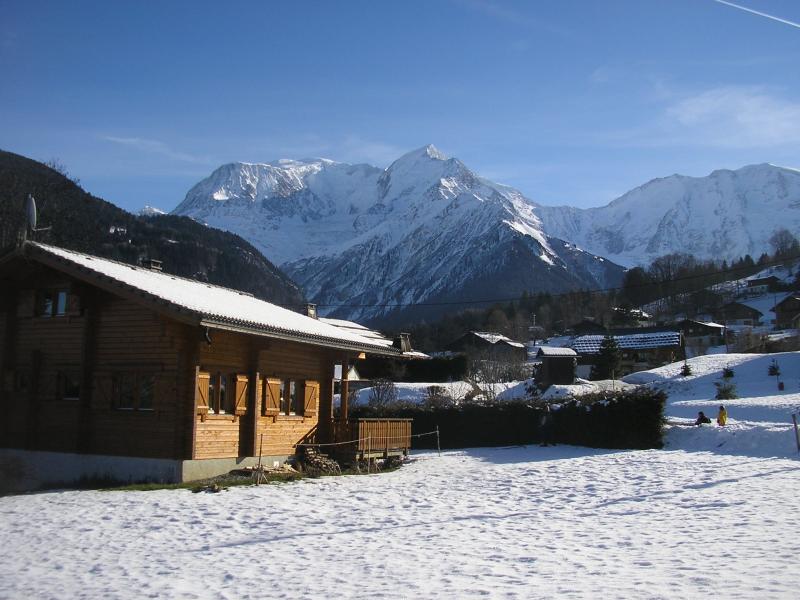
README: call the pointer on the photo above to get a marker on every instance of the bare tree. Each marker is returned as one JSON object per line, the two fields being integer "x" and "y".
{"x": 784, "y": 244}
{"x": 382, "y": 395}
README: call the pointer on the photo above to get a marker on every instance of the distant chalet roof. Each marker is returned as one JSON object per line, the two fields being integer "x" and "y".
{"x": 202, "y": 303}
{"x": 494, "y": 338}
{"x": 590, "y": 344}
{"x": 555, "y": 351}
{"x": 370, "y": 334}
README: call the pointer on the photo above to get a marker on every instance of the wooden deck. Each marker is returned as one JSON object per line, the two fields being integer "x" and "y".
{"x": 373, "y": 438}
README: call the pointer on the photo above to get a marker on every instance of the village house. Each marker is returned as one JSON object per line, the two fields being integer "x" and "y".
{"x": 489, "y": 344}
{"x": 762, "y": 285}
{"x": 701, "y": 335}
{"x": 130, "y": 373}
{"x": 786, "y": 312}
{"x": 736, "y": 313}
{"x": 639, "y": 351}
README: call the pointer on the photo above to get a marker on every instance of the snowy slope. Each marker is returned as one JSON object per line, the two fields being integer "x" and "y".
{"x": 426, "y": 229}
{"x": 523, "y": 522}
{"x": 723, "y": 216}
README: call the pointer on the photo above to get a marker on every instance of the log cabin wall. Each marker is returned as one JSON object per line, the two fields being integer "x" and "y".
{"x": 99, "y": 375}
{"x": 263, "y": 366}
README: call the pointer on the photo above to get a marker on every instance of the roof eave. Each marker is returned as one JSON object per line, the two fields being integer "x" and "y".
{"x": 297, "y": 337}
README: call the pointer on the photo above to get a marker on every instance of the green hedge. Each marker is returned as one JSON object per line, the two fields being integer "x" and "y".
{"x": 621, "y": 420}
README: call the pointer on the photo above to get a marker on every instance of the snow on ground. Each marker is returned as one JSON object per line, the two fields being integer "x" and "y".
{"x": 524, "y": 522}
{"x": 707, "y": 516}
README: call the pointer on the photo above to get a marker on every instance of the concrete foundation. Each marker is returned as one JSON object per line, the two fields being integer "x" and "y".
{"x": 30, "y": 470}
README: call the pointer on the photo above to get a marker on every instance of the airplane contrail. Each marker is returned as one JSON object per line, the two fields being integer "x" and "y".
{"x": 760, "y": 14}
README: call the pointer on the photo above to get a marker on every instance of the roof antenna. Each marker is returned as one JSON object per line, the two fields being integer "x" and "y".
{"x": 31, "y": 216}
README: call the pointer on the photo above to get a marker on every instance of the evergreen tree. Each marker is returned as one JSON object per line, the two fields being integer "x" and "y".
{"x": 608, "y": 360}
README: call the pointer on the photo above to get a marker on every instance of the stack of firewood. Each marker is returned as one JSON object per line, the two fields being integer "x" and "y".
{"x": 316, "y": 462}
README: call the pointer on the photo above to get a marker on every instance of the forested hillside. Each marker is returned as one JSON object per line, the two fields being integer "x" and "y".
{"x": 80, "y": 221}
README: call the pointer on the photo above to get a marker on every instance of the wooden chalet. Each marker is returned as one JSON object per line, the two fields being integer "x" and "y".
{"x": 786, "y": 312}
{"x": 489, "y": 344}
{"x": 698, "y": 334}
{"x": 111, "y": 370}
{"x": 736, "y": 313}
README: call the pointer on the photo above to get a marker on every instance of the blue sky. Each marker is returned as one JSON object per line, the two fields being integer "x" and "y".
{"x": 573, "y": 102}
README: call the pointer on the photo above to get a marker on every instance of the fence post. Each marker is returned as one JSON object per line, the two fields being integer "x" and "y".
{"x": 438, "y": 445}
{"x": 796, "y": 433}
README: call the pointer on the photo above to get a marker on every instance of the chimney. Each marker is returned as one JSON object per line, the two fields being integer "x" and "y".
{"x": 403, "y": 342}
{"x": 153, "y": 265}
{"x": 311, "y": 310}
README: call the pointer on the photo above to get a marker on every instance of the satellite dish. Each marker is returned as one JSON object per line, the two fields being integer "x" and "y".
{"x": 30, "y": 212}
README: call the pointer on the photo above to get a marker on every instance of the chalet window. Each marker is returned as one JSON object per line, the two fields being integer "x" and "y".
{"x": 22, "y": 381}
{"x": 290, "y": 399}
{"x": 51, "y": 303}
{"x": 221, "y": 393}
{"x": 69, "y": 386}
{"x": 133, "y": 391}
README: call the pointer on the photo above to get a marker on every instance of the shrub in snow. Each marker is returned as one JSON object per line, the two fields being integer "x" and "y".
{"x": 686, "y": 369}
{"x": 532, "y": 390}
{"x": 727, "y": 373}
{"x": 725, "y": 390}
{"x": 437, "y": 396}
{"x": 774, "y": 369}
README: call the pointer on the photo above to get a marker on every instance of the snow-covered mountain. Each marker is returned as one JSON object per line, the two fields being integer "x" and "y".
{"x": 366, "y": 243}
{"x": 724, "y": 215}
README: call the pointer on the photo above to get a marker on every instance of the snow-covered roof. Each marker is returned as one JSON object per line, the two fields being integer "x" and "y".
{"x": 555, "y": 351}
{"x": 211, "y": 305}
{"x": 706, "y": 323}
{"x": 590, "y": 344}
{"x": 494, "y": 338}
{"x": 370, "y": 334}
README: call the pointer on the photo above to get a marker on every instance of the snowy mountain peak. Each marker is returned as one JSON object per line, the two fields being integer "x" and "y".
{"x": 724, "y": 215}
{"x": 151, "y": 211}
{"x": 426, "y": 228}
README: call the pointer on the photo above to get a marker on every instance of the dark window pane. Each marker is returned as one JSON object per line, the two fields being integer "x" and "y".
{"x": 293, "y": 396}
{"x": 124, "y": 391}
{"x": 44, "y": 304}
{"x": 223, "y": 394}
{"x": 285, "y": 397}
{"x": 212, "y": 393}
{"x": 147, "y": 392}
{"x": 71, "y": 386}
{"x": 61, "y": 303}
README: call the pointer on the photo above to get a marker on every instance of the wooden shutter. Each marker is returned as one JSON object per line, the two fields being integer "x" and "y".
{"x": 73, "y": 304}
{"x": 26, "y": 303}
{"x": 311, "y": 396}
{"x": 240, "y": 407}
{"x": 201, "y": 392}
{"x": 273, "y": 396}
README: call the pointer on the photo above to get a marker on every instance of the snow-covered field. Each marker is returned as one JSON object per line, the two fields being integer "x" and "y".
{"x": 710, "y": 516}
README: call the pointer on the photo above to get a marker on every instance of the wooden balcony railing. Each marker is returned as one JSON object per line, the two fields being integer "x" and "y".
{"x": 374, "y": 437}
